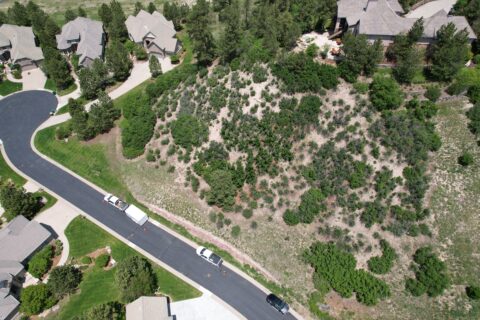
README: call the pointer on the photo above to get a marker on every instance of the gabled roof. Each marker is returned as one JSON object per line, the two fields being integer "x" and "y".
{"x": 20, "y": 238}
{"x": 22, "y": 41}
{"x": 8, "y": 306}
{"x": 87, "y": 33}
{"x": 10, "y": 267}
{"x": 148, "y": 308}
{"x": 379, "y": 17}
{"x": 154, "y": 25}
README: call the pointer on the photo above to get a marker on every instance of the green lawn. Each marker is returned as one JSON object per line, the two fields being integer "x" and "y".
{"x": 7, "y": 173}
{"x": 98, "y": 286}
{"x": 88, "y": 161}
{"x": 7, "y": 87}
{"x": 50, "y": 85}
{"x": 51, "y": 200}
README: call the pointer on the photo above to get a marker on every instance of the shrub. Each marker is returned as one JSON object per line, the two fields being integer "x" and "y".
{"x": 64, "y": 280}
{"x": 63, "y": 131}
{"x": 385, "y": 93}
{"x": 174, "y": 59}
{"x": 374, "y": 212}
{"x": 312, "y": 50}
{"x": 86, "y": 260}
{"x": 337, "y": 268}
{"x": 247, "y": 213}
{"x": 188, "y": 131}
{"x": 433, "y": 93}
{"x": 465, "y": 159}
{"x": 235, "y": 231}
{"x": 35, "y": 299}
{"x": 105, "y": 311}
{"x": 102, "y": 260}
{"x": 290, "y": 217}
{"x": 431, "y": 274}
{"x": 361, "y": 87}
{"x": 311, "y": 205}
{"x": 40, "y": 262}
{"x": 473, "y": 292}
{"x": 382, "y": 264}
{"x": 259, "y": 74}
{"x": 474, "y": 116}
{"x": 58, "y": 248}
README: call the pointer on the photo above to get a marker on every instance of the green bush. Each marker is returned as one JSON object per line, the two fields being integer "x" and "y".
{"x": 473, "y": 292}
{"x": 135, "y": 278}
{"x": 235, "y": 231}
{"x": 465, "y": 159}
{"x": 35, "y": 299}
{"x": 188, "y": 131}
{"x": 290, "y": 217}
{"x": 41, "y": 262}
{"x": 247, "y": 213}
{"x": 337, "y": 268}
{"x": 64, "y": 280}
{"x": 430, "y": 274}
{"x": 433, "y": 92}
{"x": 374, "y": 212}
{"x": 105, "y": 311}
{"x": 174, "y": 59}
{"x": 259, "y": 74}
{"x": 474, "y": 116}
{"x": 86, "y": 260}
{"x": 361, "y": 87}
{"x": 301, "y": 74}
{"x": 382, "y": 264}
{"x": 312, "y": 50}
{"x": 385, "y": 93}
{"x": 102, "y": 260}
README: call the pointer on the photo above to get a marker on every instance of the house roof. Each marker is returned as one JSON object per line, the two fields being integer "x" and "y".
{"x": 20, "y": 238}
{"x": 8, "y": 305}
{"x": 148, "y": 308}
{"x": 379, "y": 17}
{"x": 155, "y": 26}
{"x": 353, "y": 9}
{"x": 87, "y": 33}
{"x": 10, "y": 267}
{"x": 22, "y": 41}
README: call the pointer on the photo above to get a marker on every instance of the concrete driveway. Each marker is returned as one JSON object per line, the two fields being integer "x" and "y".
{"x": 33, "y": 79}
{"x": 429, "y": 9}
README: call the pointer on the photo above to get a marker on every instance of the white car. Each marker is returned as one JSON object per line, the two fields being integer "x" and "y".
{"x": 209, "y": 256}
{"x": 116, "y": 202}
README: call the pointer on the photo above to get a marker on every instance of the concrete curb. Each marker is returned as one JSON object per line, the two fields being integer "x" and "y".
{"x": 156, "y": 223}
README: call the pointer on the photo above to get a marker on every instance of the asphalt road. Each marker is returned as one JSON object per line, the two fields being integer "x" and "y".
{"x": 22, "y": 113}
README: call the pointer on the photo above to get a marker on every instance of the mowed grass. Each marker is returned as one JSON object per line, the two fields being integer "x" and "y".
{"x": 50, "y": 85}
{"x": 7, "y": 173}
{"x": 87, "y": 160}
{"x": 7, "y": 87}
{"x": 98, "y": 286}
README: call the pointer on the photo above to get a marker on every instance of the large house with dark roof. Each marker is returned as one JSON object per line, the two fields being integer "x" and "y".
{"x": 19, "y": 240}
{"x": 154, "y": 32}
{"x": 382, "y": 19}
{"x": 18, "y": 46}
{"x": 85, "y": 37}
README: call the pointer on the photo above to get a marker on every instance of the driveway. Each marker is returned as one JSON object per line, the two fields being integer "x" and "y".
{"x": 22, "y": 113}
{"x": 206, "y": 307}
{"x": 33, "y": 79}
{"x": 429, "y": 9}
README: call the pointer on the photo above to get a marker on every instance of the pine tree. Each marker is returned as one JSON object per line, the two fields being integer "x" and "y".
{"x": 138, "y": 8}
{"x": 200, "y": 33}
{"x": 57, "y": 68}
{"x": 155, "y": 66}
{"x": 118, "y": 60}
{"x": 16, "y": 201}
{"x": 18, "y": 15}
{"x": 232, "y": 34}
{"x": 151, "y": 7}
{"x": 70, "y": 15}
{"x": 81, "y": 12}
{"x": 117, "y": 29}
{"x": 105, "y": 15}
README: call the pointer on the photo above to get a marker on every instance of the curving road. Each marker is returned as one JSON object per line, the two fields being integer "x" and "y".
{"x": 22, "y": 113}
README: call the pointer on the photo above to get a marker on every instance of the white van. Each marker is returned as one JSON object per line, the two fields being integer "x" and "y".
{"x": 136, "y": 214}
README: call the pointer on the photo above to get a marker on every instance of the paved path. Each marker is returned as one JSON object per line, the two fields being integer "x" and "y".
{"x": 429, "y": 9}
{"x": 22, "y": 113}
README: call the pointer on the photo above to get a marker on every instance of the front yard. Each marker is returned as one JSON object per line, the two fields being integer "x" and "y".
{"x": 98, "y": 285}
{"x": 7, "y": 87}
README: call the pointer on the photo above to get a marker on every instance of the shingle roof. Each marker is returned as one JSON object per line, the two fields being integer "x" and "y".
{"x": 87, "y": 33}
{"x": 154, "y": 25}
{"x": 10, "y": 267}
{"x": 22, "y": 41}
{"x": 20, "y": 238}
{"x": 148, "y": 308}
{"x": 8, "y": 305}
{"x": 378, "y": 17}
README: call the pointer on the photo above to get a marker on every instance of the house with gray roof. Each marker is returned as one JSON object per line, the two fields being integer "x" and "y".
{"x": 149, "y": 308}
{"x": 154, "y": 32}
{"x": 19, "y": 240}
{"x": 18, "y": 46}
{"x": 382, "y": 19}
{"x": 85, "y": 37}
